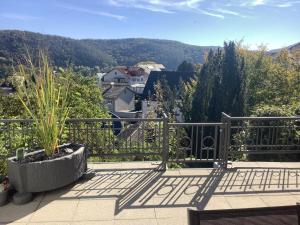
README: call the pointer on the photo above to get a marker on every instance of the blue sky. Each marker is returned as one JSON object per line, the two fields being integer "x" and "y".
{"x": 198, "y": 22}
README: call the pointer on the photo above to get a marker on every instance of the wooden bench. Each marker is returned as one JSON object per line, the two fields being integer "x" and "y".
{"x": 279, "y": 215}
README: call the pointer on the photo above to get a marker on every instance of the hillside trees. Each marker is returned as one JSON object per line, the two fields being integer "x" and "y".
{"x": 85, "y": 97}
{"x": 221, "y": 85}
{"x": 273, "y": 83}
{"x": 186, "y": 94}
{"x": 242, "y": 82}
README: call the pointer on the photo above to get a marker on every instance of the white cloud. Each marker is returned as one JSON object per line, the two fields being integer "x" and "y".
{"x": 267, "y": 3}
{"x": 153, "y": 8}
{"x": 284, "y": 5}
{"x": 215, "y": 8}
{"x": 212, "y": 14}
{"x": 228, "y": 12}
{"x": 15, "y": 16}
{"x": 92, "y": 12}
{"x": 166, "y": 6}
{"x": 287, "y": 4}
{"x": 258, "y": 2}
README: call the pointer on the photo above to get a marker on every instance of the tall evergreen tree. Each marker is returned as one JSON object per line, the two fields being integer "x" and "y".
{"x": 221, "y": 86}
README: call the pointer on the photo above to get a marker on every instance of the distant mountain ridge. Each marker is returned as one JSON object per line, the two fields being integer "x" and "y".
{"x": 291, "y": 48}
{"x": 98, "y": 52}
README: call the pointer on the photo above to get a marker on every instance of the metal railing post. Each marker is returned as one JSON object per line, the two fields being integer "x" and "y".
{"x": 226, "y": 141}
{"x": 165, "y": 150}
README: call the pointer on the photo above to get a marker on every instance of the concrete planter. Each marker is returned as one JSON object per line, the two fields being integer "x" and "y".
{"x": 3, "y": 197}
{"x": 48, "y": 174}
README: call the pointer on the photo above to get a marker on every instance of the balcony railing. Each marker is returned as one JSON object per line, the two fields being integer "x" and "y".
{"x": 234, "y": 138}
{"x": 261, "y": 138}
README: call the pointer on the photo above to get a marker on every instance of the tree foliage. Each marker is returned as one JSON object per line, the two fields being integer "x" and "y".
{"x": 221, "y": 85}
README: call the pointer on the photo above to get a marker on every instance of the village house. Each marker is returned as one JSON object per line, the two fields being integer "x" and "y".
{"x": 133, "y": 77}
{"x": 126, "y": 75}
{"x": 120, "y": 100}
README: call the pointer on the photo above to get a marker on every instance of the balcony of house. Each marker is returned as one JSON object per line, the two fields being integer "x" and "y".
{"x": 150, "y": 171}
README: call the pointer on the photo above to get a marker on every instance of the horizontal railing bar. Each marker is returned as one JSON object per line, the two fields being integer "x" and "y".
{"x": 270, "y": 126}
{"x": 265, "y": 152}
{"x": 192, "y": 160}
{"x": 125, "y": 148}
{"x": 195, "y": 124}
{"x": 266, "y": 118}
{"x": 113, "y": 119}
{"x": 86, "y": 120}
{"x": 125, "y": 154}
{"x": 265, "y": 145}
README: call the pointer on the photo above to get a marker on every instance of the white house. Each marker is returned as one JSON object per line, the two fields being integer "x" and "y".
{"x": 120, "y": 100}
{"x": 116, "y": 75}
{"x": 126, "y": 75}
{"x": 133, "y": 77}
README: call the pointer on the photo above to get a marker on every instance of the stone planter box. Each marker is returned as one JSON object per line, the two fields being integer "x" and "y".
{"x": 3, "y": 197}
{"x": 48, "y": 174}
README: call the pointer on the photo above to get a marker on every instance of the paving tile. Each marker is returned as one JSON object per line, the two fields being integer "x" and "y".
{"x": 172, "y": 221}
{"x": 218, "y": 202}
{"x": 136, "y": 222}
{"x": 60, "y": 210}
{"x": 18, "y": 213}
{"x": 138, "y": 165}
{"x": 104, "y": 165}
{"x": 195, "y": 172}
{"x": 94, "y": 210}
{"x": 13, "y": 223}
{"x": 171, "y": 212}
{"x": 50, "y": 223}
{"x": 241, "y": 201}
{"x": 61, "y": 194}
{"x": 102, "y": 222}
{"x": 278, "y": 200}
{"x": 244, "y": 164}
{"x": 137, "y": 213}
{"x": 172, "y": 172}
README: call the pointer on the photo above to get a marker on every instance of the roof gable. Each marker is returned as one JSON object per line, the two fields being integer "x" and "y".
{"x": 114, "y": 92}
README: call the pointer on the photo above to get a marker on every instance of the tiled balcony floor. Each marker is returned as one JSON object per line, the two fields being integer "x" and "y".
{"x": 136, "y": 193}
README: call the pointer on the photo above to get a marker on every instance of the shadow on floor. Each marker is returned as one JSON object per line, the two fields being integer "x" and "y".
{"x": 142, "y": 188}
{"x": 148, "y": 188}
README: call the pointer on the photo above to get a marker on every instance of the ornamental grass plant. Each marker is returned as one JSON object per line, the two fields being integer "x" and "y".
{"x": 44, "y": 94}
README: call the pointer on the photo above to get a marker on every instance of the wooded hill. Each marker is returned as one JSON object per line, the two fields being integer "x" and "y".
{"x": 95, "y": 52}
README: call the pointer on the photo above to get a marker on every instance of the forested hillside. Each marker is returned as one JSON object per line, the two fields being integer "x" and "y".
{"x": 102, "y": 53}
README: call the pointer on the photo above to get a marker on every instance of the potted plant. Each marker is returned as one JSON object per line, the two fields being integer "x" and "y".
{"x": 4, "y": 186}
{"x": 44, "y": 95}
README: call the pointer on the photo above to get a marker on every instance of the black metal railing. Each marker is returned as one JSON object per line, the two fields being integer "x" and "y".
{"x": 194, "y": 142}
{"x": 235, "y": 138}
{"x": 261, "y": 138}
{"x": 102, "y": 137}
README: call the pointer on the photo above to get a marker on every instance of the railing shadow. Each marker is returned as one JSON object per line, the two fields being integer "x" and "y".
{"x": 148, "y": 188}
{"x": 142, "y": 188}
